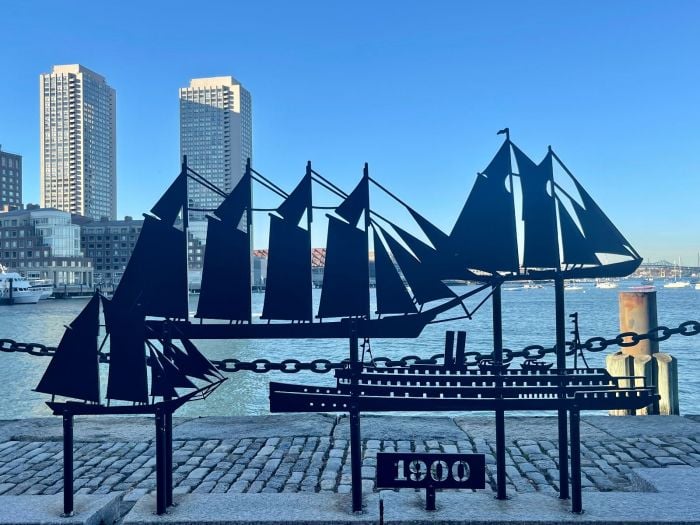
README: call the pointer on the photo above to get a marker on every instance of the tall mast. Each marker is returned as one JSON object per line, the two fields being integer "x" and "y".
{"x": 249, "y": 230}
{"x": 185, "y": 226}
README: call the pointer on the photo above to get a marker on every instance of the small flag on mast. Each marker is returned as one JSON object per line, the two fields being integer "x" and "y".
{"x": 506, "y": 131}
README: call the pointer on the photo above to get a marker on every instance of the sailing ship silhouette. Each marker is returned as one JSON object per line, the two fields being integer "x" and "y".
{"x": 565, "y": 235}
{"x": 179, "y": 371}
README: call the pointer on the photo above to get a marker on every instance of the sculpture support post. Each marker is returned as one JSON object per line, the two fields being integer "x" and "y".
{"x": 168, "y": 420}
{"x": 561, "y": 370}
{"x": 500, "y": 413}
{"x": 576, "y": 503}
{"x": 355, "y": 441}
{"x": 168, "y": 428}
{"x": 161, "y": 497}
{"x": 67, "y": 464}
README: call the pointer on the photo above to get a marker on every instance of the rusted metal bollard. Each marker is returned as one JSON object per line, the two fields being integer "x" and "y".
{"x": 638, "y": 314}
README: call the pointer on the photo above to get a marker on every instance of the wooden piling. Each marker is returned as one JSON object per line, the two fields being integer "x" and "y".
{"x": 667, "y": 367}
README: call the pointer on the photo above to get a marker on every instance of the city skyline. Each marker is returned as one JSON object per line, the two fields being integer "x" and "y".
{"x": 419, "y": 96}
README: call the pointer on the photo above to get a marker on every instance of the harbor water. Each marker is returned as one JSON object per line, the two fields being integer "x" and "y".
{"x": 528, "y": 318}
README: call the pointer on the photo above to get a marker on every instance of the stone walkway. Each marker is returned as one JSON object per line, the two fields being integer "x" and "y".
{"x": 310, "y": 453}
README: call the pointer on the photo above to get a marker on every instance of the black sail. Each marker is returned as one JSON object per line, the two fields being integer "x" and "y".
{"x": 156, "y": 276}
{"x": 74, "y": 369}
{"x": 425, "y": 285}
{"x": 199, "y": 366}
{"x": 226, "y": 273}
{"x": 225, "y": 291}
{"x": 172, "y": 201}
{"x": 161, "y": 386}
{"x": 357, "y": 202}
{"x": 166, "y": 376}
{"x": 345, "y": 290}
{"x": 127, "y": 379}
{"x": 439, "y": 239}
{"x": 541, "y": 239}
{"x": 484, "y": 236}
{"x": 577, "y": 249}
{"x": 298, "y": 202}
{"x": 424, "y": 253}
{"x": 288, "y": 284}
{"x": 598, "y": 229}
{"x": 392, "y": 297}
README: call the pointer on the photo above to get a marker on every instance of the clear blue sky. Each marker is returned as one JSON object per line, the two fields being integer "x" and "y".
{"x": 417, "y": 89}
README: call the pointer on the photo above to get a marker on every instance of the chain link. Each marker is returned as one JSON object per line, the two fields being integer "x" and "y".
{"x": 471, "y": 358}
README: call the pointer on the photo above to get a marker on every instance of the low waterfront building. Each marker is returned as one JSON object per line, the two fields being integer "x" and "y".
{"x": 44, "y": 243}
{"x": 109, "y": 244}
{"x": 10, "y": 181}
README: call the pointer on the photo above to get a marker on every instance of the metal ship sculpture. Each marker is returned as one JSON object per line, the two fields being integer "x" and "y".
{"x": 564, "y": 236}
{"x": 179, "y": 372}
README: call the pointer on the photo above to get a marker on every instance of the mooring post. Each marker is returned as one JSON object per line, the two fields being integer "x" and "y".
{"x": 638, "y": 314}
{"x": 500, "y": 413}
{"x": 355, "y": 440}
{"x": 561, "y": 371}
{"x": 67, "y": 464}
{"x": 576, "y": 500}
{"x": 161, "y": 496}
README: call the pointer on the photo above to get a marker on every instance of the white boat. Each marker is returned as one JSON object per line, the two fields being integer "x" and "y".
{"x": 606, "y": 285}
{"x": 677, "y": 284}
{"x": 532, "y": 286}
{"x": 697, "y": 286}
{"x": 572, "y": 287}
{"x": 45, "y": 286}
{"x": 14, "y": 289}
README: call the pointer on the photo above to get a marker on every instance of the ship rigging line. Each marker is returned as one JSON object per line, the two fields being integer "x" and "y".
{"x": 269, "y": 187}
{"x": 322, "y": 181}
{"x": 329, "y": 185}
{"x": 269, "y": 184}
{"x": 390, "y": 194}
{"x": 205, "y": 182}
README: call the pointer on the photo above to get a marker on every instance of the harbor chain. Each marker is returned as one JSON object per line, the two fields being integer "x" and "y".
{"x": 471, "y": 359}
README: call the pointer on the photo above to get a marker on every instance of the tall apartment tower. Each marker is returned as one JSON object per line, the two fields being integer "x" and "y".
{"x": 216, "y": 135}
{"x": 78, "y": 142}
{"x": 10, "y": 181}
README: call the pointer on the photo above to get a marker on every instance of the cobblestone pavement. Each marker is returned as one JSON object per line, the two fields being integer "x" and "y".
{"x": 322, "y": 463}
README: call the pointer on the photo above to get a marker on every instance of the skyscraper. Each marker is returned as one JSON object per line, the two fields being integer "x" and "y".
{"x": 216, "y": 135}
{"x": 10, "y": 181}
{"x": 78, "y": 142}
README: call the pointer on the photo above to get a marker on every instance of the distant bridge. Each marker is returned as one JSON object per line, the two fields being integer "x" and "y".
{"x": 666, "y": 269}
